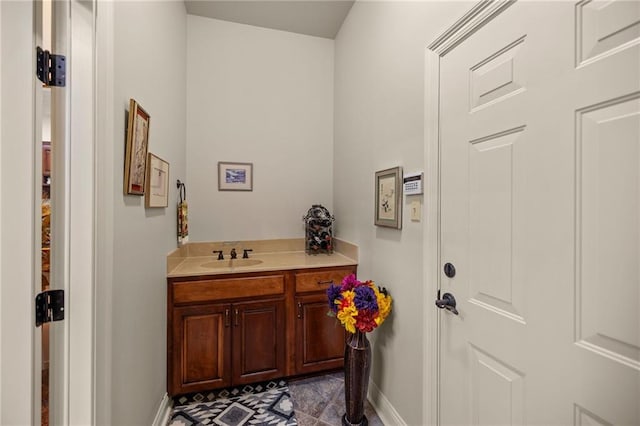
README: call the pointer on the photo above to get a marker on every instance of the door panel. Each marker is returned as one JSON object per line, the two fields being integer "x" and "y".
{"x": 258, "y": 341}
{"x": 320, "y": 339}
{"x": 493, "y": 186}
{"x": 204, "y": 359}
{"x": 497, "y": 76}
{"x": 497, "y": 391}
{"x": 540, "y": 199}
{"x": 608, "y": 211}
{"x": 604, "y": 27}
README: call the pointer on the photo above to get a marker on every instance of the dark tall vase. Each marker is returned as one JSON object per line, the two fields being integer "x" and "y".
{"x": 357, "y": 363}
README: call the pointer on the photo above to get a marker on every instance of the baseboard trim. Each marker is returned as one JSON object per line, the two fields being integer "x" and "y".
{"x": 383, "y": 407}
{"x": 164, "y": 411}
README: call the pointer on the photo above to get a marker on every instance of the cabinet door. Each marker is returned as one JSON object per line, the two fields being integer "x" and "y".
{"x": 201, "y": 348}
{"x": 320, "y": 339}
{"x": 258, "y": 341}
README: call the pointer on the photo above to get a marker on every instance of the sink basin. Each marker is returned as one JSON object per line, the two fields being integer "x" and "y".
{"x": 231, "y": 263}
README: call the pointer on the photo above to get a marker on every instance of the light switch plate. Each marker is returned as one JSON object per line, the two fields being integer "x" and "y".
{"x": 416, "y": 212}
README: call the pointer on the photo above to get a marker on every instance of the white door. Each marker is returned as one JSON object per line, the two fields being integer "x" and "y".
{"x": 18, "y": 280}
{"x": 540, "y": 215}
{"x": 71, "y": 395}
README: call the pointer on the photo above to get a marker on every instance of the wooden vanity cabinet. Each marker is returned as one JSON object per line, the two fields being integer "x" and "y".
{"x": 228, "y": 330}
{"x": 225, "y": 331}
{"x": 320, "y": 339}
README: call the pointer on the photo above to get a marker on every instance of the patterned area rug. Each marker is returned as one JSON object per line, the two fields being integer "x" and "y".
{"x": 267, "y": 403}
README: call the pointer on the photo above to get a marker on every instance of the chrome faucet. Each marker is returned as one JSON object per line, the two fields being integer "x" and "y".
{"x": 233, "y": 253}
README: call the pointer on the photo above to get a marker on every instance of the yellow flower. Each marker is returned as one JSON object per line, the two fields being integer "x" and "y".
{"x": 347, "y": 316}
{"x": 348, "y": 296}
{"x": 384, "y": 306}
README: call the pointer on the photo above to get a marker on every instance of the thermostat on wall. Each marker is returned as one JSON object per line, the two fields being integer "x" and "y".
{"x": 413, "y": 183}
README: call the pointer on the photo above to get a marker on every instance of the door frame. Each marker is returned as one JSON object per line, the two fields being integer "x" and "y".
{"x": 478, "y": 16}
{"x": 79, "y": 397}
{"x": 105, "y": 138}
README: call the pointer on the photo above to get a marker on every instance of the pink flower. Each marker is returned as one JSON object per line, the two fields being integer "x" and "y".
{"x": 349, "y": 282}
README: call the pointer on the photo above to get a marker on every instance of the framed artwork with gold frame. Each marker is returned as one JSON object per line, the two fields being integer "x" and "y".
{"x": 137, "y": 147}
{"x": 157, "y": 181}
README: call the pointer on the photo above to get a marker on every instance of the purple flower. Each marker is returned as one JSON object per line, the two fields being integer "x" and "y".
{"x": 365, "y": 299}
{"x": 349, "y": 282}
{"x": 333, "y": 294}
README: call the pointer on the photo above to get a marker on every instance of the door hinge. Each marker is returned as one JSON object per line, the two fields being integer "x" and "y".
{"x": 49, "y": 306}
{"x": 51, "y": 69}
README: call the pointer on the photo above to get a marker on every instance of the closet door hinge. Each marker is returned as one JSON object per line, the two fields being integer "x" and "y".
{"x": 51, "y": 69}
{"x": 49, "y": 306}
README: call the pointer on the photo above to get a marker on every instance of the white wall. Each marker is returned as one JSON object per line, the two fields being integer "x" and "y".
{"x": 265, "y": 97}
{"x": 379, "y": 114}
{"x": 148, "y": 57}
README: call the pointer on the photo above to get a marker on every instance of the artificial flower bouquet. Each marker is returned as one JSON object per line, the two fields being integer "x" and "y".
{"x": 358, "y": 305}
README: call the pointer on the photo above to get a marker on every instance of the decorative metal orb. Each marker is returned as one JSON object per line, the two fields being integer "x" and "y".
{"x": 318, "y": 230}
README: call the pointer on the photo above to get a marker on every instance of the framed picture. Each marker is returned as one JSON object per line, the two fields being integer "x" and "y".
{"x": 389, "y": 198}
{"x": 157, "y": 190}
{"x": 235, "y": 176}
{"x": 135, "y": 157}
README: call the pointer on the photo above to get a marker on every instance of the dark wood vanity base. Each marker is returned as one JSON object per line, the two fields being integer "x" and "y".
{"x": 232, "y": 329}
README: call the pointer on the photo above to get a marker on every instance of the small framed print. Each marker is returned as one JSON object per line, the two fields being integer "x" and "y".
{"x": 235, "y": 176}
{"x": 157, "y": 190}
{"x": 388, "y": 209}
{"x": 135, "y": 159}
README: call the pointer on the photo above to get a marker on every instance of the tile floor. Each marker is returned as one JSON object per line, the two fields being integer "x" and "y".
{"x": 319, "y": 401}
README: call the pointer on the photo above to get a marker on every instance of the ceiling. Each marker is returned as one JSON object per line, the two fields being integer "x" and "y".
{"x": 320, "y": 18}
